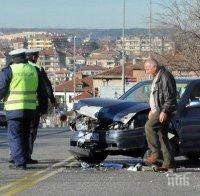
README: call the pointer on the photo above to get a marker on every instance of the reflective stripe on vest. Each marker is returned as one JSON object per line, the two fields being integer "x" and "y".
{"x": 23, "y": 87}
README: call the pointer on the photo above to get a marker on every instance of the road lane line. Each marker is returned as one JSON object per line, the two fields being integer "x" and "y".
{"x": 68, "y": 160}
{"x": 34, "y": 175}
{"x": 24, "y": 179}
{"x": 31, "y": 183}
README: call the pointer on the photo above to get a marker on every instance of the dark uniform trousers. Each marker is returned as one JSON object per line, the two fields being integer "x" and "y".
{"x": 18, "y": 135}
{"x": 33, "y": 131}
{"x": 157, "y": 138}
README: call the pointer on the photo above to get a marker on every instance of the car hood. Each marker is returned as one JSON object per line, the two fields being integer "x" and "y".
{"x": 109, "y": 110}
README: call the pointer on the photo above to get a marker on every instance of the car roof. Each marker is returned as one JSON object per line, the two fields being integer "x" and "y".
{"x": 180, "y": 79}
{"x": 187, "y": 79}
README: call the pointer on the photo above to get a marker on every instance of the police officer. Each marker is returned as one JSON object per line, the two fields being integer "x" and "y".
{"x": 20, "y": 85}
{"x": 32, "y": 56}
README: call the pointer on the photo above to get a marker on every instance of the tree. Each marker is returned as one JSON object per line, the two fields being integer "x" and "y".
{"x": 182, "y": 17}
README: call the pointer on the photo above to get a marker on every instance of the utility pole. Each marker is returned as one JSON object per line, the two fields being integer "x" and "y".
{"x": 123, "y": 47}
{"x": 74, "y": 66}
{"x": 54, "y": 85}
{"x": 150, "y": 27}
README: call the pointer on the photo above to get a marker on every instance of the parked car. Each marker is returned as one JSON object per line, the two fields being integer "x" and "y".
{"x": 108, "y": 127}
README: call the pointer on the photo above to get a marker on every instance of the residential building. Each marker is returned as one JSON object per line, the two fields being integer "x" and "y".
{"x": 109, "y": 83}
{"x": 42, "y": 41}
{"x": 58, "y": 76}
{"x": 80, "y": 60}
{"x": 84, "y": 89}
{"x": 19, "y": 35}
{"x": 138, "y": 45}
{"x": 49, "y": 59}
{"x": 91, "y": 70}
{"x": 101, "y": 58}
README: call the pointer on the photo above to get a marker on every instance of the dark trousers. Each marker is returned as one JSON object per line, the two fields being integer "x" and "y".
{"x": 18, "y": 136}
{"x": 33, "y": 132}
{"x": 157, "y": 138}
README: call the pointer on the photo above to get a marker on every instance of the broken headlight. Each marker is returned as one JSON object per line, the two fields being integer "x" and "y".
{"x": 84, "y": 137}
{"x": 81, "y": 125}
{"x": 116, "y": 126}
{"x": 132, "y": 125}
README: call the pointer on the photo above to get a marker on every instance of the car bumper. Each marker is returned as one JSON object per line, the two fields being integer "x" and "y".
{"x": 113, "y": 140}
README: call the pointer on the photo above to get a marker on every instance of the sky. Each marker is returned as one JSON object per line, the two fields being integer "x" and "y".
{"x": 74, "y": 13}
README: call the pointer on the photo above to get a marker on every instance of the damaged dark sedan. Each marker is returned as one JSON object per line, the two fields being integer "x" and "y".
{"x": 105, "y": 127}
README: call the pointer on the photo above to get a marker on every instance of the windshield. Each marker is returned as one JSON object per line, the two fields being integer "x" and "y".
{"x": 141, "y": 92}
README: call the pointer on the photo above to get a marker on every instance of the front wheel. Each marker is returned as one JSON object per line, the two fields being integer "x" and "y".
{"x": 94, "y": 158}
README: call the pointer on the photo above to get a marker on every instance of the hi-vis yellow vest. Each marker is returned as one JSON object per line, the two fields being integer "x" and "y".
{"x": 34, "y": 64}
{"x": 39, "y": 67}
{"x": 23, "y": 87}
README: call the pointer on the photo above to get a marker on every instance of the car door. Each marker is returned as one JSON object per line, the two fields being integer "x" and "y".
{"x": 190, "y": 122}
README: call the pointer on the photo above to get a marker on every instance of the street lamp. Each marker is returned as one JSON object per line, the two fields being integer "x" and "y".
{"x": 123, "y": 47}
{"x": 74, "y": 66}
{"x": 150, "y": 15}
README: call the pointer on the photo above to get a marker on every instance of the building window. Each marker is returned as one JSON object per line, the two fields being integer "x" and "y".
{"x": 79, "y": 87}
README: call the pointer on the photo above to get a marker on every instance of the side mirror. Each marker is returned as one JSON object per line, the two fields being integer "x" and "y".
{"x": 193, "y": 104}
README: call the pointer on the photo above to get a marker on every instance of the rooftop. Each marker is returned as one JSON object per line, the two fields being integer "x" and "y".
{"x": 68, "y": 86}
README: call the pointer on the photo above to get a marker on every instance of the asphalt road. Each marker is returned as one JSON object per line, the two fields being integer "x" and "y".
{"x": 58, "y": 174}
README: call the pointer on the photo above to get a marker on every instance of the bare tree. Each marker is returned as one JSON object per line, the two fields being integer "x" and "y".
{"x": 182, "y": 17}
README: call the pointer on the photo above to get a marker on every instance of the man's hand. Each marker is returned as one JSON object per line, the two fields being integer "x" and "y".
{"x": 162, "y": 117}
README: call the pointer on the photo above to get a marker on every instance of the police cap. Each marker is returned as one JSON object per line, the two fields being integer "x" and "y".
{"x": 17, "y": 53}
{"x": 33, "y": 51}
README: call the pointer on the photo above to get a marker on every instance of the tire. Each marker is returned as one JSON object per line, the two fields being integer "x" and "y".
{"x": 94, "y": 158}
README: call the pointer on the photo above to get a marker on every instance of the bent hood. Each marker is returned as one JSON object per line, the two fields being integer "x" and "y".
{"x": 109, "y": 110}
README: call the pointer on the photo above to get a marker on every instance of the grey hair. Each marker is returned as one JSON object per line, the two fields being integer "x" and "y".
{"x": 156, "y": 63}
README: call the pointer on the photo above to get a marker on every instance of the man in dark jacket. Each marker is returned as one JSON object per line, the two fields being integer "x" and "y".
{"x": 32, "y": 56}
{"x": 20, "y": 83}
{"x": 162, "y": 103}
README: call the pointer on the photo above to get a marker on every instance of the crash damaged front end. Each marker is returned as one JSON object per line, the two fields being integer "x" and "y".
{"x": 110, "y": 126}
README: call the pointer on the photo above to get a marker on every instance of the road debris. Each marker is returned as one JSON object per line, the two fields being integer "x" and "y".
{"x": 137, "y": 167}
{"x": 112, "y": 165}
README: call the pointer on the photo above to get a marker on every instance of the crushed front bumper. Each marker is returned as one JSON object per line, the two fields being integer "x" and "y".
{"x": 83, "y": 142}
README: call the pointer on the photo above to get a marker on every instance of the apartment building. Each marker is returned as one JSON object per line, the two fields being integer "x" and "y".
{"x": 58, "y": 76}
{"x": 101, "y": 58}
{"x": 42, "y": 41}
{"x": 49, "y": 59}
{"x": 19, "y": 35}
{"x": 139, "y": 44}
